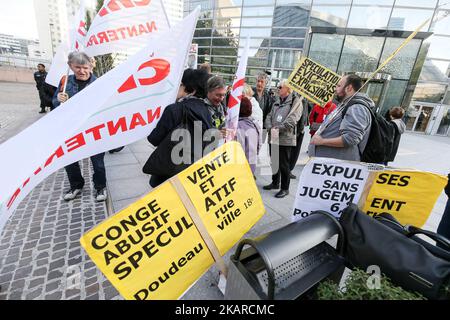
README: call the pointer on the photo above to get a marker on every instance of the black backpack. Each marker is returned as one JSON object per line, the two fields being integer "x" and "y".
{"x": 381, "y": 137}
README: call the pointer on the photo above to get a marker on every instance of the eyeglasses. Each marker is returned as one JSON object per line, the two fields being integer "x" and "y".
{"x": 279, "y": 87}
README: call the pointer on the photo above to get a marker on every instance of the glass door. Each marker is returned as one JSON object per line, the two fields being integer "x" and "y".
{"x": 444, "y": 125}
{"x": 418, "y": 117}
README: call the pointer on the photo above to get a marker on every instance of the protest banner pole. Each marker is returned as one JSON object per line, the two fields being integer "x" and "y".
{"x": 165, "y": 13}
{"x": 187, "y": 202}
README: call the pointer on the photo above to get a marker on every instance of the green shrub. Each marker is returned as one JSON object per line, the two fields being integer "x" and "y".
{"x": 355, "y": 288}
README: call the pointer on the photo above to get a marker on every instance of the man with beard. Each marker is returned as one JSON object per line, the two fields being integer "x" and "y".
{"x": 345, "y": 132}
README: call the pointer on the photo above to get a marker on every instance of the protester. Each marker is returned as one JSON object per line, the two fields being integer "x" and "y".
{"x": 249, "y": 133}
{"x": 206, "y": 67}
{"x": 189, "y": 112}
{"x": 257, "y": 113}
{"x": 282, "y": 123}
{"x": 216, "y": 91}
{"x": 261, "y": 95}
{"x": 444, "y": 226}
{"x": 81, "y": 66}
{"x": 39, "y": 77}
{"x": 345, "y": 132}
{"x": 396, "y": 114}
{"x": 318, "y": 115}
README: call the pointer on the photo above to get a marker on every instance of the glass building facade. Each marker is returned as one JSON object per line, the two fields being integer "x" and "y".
{"x": 344, "y": 35}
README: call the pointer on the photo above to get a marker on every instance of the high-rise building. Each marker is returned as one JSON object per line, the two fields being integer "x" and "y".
{"x": 174, "y": 10}
{"x": 52, "y": 24}
{"x": 10, "y": 45}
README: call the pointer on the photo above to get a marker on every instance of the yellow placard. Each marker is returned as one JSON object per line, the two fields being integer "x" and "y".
{"x": 151, "y": 249}
{"x": 408, "y": 195}
{"x": 313, "y": 81}
{"x": 223, "y": 191}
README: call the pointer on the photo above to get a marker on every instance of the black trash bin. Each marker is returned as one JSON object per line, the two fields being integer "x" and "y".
{"x": 286, "y": 263}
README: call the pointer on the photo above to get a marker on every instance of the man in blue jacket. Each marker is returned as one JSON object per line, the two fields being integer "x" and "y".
{"x": 81, "y": 66}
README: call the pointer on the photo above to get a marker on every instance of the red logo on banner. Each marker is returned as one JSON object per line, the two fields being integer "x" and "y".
{"x": 162, "y": 70}
{"x": 113, "y": 5}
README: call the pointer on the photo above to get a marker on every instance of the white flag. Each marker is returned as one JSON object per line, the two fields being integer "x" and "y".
{"x": 119, "y": 108}
{"x": 78, "y": 30}
{"x": 123, "y": 25}
{"x": 59, "y": 65}
{"x": 234, "y": 101}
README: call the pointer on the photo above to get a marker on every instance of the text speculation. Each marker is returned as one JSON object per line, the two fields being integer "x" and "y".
{"x": 314, "y": 81}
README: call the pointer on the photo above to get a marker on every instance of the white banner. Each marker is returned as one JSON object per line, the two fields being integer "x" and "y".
{"x": 328, "y": 184}
{"x": 59, "y": 65}
{"x": 234, "y": 101}
{"x": 121, "y": 25}
{"x": 78, "y": 30}
{"x": 119, "y": 108}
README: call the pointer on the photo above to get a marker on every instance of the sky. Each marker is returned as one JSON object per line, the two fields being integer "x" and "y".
{"x": 17, "y": 18}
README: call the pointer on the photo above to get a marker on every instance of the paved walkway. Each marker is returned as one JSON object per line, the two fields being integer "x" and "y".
{"x": 40, "y": 255}
{"x": 40, "y": 252}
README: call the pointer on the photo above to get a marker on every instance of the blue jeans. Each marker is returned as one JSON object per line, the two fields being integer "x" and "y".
{"x": 76, "y": 178}
{"x": 444, "y": 226}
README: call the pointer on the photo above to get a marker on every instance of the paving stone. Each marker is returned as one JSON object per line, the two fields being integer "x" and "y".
{"x": 40, "y": 272}
{"x": 72, "y": 292}
{"x": 17, "y": 284}
{"x": 15, "y": 295}
{"x": 36, "y": 282}
{"x": 35, "y": 294}
{"x": 54, "y": 275}
{"x": 52, "y": 286}
{"x": 54, "y": 296}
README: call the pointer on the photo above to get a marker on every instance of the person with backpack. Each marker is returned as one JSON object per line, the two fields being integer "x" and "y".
{"x": 282, "y": 125}
{"x": 395, "y": 116}
{"x": 187, "y": 114}
{"x": 345, "y": 132}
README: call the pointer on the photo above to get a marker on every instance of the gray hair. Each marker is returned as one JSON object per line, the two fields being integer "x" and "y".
{"x": 262, "y": 76}
{"x": 79, "y": 58}
{"x": 284, "y": 83}
{"x": 214, "y": 83}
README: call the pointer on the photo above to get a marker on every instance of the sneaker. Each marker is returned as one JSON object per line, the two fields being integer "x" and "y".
{"x": 101, "y": 195}
{"x": 71, "y": 194}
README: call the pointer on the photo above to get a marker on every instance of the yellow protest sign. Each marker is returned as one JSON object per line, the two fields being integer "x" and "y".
{"x": 150, "y": 250}
{"x": 408, "y": 195}
{"x": 160, "y": 245}
{"x": 224, "y": 193}
{"x": 313, "y": 81}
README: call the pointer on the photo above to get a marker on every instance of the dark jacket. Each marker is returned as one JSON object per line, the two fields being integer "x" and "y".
{"x": 47, "y": 94}
{"x": 399, "y": 129}
{"x": 39, "y": 77}
{"x": 72, "y": 88}
{"x": 267, "y": 102}
{"x": 160, "y": 161}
